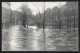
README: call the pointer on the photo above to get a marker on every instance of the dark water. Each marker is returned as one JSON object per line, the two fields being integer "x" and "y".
{"x": 17, "y": 39}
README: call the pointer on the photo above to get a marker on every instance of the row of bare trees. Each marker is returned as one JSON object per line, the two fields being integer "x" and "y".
{"x": 64, "y": 17}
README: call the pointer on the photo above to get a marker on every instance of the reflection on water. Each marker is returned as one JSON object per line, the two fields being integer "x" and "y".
{"x": 23, "y": 42}
{"x": 35, "y": 45}
{"x": 32, "y": 40}
{"x": 35, "y": 41}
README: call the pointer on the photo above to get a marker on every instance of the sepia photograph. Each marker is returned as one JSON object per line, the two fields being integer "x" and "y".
{"x": 40, "y": 26}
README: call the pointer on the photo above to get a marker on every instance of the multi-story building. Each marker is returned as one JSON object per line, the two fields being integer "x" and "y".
{"x": 5, "y": 14}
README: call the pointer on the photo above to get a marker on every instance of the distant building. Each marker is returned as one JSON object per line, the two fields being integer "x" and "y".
{"x": 5, "y": 14}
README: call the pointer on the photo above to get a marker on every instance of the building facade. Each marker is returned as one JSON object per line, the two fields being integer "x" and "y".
{"x": 5, "y": 14}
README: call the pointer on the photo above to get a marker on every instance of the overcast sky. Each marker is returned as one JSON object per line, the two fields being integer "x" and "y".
{"x": 16, "y": 5}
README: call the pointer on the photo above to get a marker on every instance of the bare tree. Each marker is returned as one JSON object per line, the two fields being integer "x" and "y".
{"x": 24, "y": 15}
{"x": 43, "y": 7}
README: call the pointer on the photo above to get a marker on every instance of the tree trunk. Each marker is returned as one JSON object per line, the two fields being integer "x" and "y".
{"x": 52, "y": 23}
{"x": 24, "y": 24}
{"x": 67, "y": 23}
{"x": 49, "y": 22}
{"x": 59, "y": 19}
{"x": 59, "y": 25}
{"x": 44, "y": 28}
{"x": 27, "y": 24}
{"x": 70, "y": 21}
{"x": 74, "y": 19}
{"x": 15, "y": 21}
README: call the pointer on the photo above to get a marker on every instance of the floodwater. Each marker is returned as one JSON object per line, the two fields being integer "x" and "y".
{"x": 19, "y": 39}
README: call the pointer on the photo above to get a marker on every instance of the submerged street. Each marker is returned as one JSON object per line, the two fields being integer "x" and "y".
{"x": 18, "y": 38}
{"x": 40, "y": 26}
